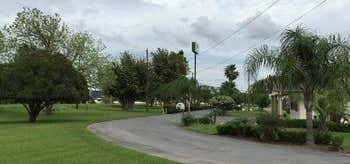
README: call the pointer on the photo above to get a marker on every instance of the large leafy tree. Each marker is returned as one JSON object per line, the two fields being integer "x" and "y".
{"x": 33, "y": 27}
{"x": 37, "y": 29}
{"x": 37, "y": 78}
{"x": 169, "y": 66}
{"x": 87, "y": 56}
{"x": 128, "y": 85}
{"x": 303, "y": 60}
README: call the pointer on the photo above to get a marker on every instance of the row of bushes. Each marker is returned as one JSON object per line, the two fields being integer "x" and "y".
{"x": 172, "y": 109}
{"x": 301, "y": 123}
{"x": 249, "y": 129}
{"x": 188, "y": 119}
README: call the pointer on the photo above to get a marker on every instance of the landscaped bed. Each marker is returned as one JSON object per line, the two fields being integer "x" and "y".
{"x": 241, "y": 128}
{"x": 63, "y": 138}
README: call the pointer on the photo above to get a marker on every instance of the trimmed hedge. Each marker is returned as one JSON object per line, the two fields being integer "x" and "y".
{"x": 248, "y": 129}
{"x": 188, "y": 119}
{"x": 301, "y": 123}
{"x": 292, "y": 136}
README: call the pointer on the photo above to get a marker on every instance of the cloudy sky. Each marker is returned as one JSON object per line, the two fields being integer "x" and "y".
{"x": 135, "y": 25}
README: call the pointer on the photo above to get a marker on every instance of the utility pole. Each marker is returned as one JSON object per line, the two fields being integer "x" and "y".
{"x": 147, "y": 81}
{"x": 195, "y": 50}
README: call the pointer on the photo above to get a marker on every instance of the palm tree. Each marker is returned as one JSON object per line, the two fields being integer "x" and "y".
{"x": 231, "y": 72}
{"x": 302, "y": 61}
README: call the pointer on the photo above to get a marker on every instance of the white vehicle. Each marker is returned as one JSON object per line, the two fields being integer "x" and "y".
{"x": 180, "y": 106}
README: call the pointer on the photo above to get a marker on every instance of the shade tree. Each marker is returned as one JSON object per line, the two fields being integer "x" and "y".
{"x": 37, "y": 78}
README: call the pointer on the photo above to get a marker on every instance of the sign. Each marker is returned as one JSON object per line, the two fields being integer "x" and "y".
{"x": 195, "y": 48}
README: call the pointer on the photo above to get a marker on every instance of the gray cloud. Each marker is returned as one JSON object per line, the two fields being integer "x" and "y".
{"x": 173, "y": 24}
{"x": 263, "y": 27}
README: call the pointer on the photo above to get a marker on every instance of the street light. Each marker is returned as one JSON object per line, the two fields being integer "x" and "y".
{"x": 195, "y": 50}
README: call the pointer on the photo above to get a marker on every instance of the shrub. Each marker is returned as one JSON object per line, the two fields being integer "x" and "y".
{"x": 293, "y": 123}
{"x": 292, "y": 136}
{"x": 301, "y": 123}
{"x": 224, "y": 103}
{"x": 227, "y": 129}
{"x": 188, "y": 119}
{"x": 322, "y": 138}
{"x": 238, "y": 128}
{"x": 337, "y": 141}
{"x": 269, "y": 126}
{"x": 203, "y": 120}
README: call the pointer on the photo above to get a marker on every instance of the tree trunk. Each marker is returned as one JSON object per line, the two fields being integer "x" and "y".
{"x": 49, "y": 109}
{"x": 189, "y": 104}
{"x": 308, "y": 103}
{"x": 128, "y": 105}
{"x": 33, "y": 111}
{"x": 76, "y": 106}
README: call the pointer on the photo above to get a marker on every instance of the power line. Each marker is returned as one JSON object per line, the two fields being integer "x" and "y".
{"x": 241, "y": 28}
{"x": 269, "y": 37}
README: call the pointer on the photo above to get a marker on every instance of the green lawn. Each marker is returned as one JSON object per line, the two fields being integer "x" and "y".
{"x": 202, "y": 128}
{"x": 63, "y": 137}
{"x": 244, "y": 114}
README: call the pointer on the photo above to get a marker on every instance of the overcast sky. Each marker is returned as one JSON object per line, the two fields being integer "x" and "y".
{"x": 135, "y": 25}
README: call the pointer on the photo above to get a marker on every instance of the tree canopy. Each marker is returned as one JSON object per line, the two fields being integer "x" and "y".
{"x": 35, "y": 28}
{"x": 128, "y": 84}
{"x": 37, "y": 78}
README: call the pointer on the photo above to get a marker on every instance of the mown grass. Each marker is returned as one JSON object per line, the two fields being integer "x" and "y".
{"x": 203, "y": 128}
{"x": 63, "y": 137}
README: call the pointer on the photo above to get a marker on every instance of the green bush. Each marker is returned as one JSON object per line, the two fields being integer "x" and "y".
{"x": 337, "y": 141}
{"x": 301, "y": 123}
{"x": 322, "y": 138}
{"x": 203, "y": 120}
{"x": 225, "y": 103}
{"x": 269, "y": 126}
{"x": 238, "y": 128}
{"x": 227, "y": 129}
{"x": 188, "y": 119}
{"x": 293, "y": 123}
{"x": 292, "y": 136}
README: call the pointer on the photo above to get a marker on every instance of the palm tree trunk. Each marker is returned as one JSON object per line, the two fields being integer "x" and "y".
{"x": 308, "y": 102}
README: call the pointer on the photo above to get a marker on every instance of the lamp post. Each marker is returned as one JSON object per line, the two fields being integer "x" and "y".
{"x": 195, "y": 50}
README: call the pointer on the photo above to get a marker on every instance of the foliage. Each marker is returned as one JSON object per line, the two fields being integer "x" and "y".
{"x": 169, "y": 66}
{"x": 38, "y": 78}
{"x": 187, "y": 119}
{"x": 128, "y": 84}
{"x": 37, "y": 29}
{"x": 224, "y": 103}
{"x": 229, "y": 89}
{"x": 292, "y": 136}
{"x": 304, "y": 60}
{"x": 337, "y": 141}
{"x": 270, "y": 125}
{"x": 87, "y": 56}
{"x": 301, "y": 123}
{"x": 206, "y": 92}
{"x": 231, "y": 73}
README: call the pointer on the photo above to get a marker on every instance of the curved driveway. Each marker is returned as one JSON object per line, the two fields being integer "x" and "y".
{"x": 161, "y": 136}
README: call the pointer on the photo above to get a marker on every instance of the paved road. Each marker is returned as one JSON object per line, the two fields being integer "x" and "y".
{"x": 161, "y": 136}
